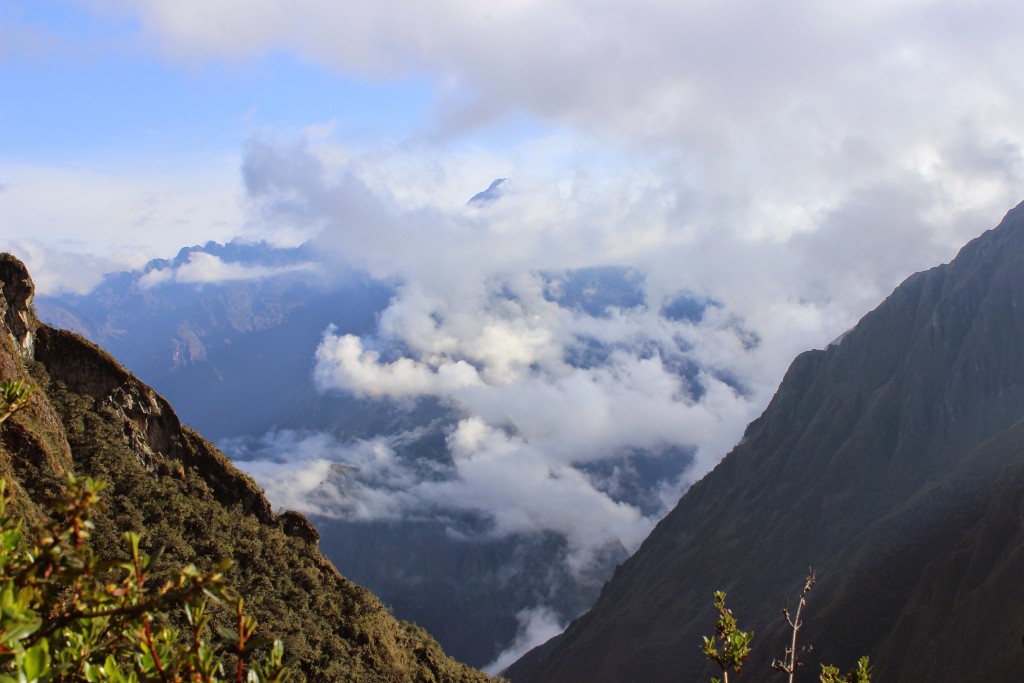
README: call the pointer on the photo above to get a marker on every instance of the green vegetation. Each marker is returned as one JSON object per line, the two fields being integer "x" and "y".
{"x": 13, "y": 396}
{"x": 67, "y": 616}
{"x": 862, "y": 674}
{"x": 735, "y": 644}
{"x": 332, "y": 629}
{"x": 729, "y": 647}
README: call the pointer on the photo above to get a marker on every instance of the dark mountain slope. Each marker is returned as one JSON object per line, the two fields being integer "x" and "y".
{"x": 893, "y": 463}
{"x": 90, "y": 416}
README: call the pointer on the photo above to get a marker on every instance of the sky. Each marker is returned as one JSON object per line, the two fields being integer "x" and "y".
{"x": 851, "y": 144}
{"x": 791, "y": 160}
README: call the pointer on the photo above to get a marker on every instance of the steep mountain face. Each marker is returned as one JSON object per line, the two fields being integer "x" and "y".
{"x": 91, "y": 417}
{"x": 892, "y": 462}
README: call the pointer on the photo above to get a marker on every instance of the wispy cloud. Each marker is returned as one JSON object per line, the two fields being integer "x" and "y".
{"x": 201, "y": 268}
{"x": 536, "y": 625}
{"x": 108, "y": 221}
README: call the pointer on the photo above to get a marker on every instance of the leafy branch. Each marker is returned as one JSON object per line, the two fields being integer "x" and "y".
{"x": 734, "y": 643}
{"x": 14, "y": 395}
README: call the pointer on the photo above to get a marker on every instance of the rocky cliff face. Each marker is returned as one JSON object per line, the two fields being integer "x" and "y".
{"x": 893, "y": 463}
{"x": 89, "y": 416}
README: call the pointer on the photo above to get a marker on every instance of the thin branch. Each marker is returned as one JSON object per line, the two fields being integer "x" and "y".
{"x": 790, "y": 660}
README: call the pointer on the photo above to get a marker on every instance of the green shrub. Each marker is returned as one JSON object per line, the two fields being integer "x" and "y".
{"x": 734, "y": 643}
{"x": 66, "y": 615}
{"x": 13, "y": 396}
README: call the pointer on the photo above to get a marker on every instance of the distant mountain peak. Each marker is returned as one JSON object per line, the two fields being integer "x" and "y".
{"x": 498, "y": 188}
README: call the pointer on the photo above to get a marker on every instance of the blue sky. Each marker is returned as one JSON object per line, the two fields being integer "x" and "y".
{"x": 87, "y": 88}
{"x": 139, "y": 107}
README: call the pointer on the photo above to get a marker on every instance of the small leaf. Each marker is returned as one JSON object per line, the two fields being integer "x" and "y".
{"x": 37, "y": 660}
{"x": 228, "y": 636}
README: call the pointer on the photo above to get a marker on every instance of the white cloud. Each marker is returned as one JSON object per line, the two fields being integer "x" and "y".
{"x": 731, "y": 127}
{"x": 499, "y": 355}
{"x": 536, "y": 625}
{"x": 649, "y": 68}
{"x": 342, "y": 363}
{"x": 205, "y": 268}
{"x": 524, "y": 491}
{"x": 56, "y": 271}
{"x": 111, "y": 220}
{"x": 475, "y": 320}
{"x": 316, "y": 474}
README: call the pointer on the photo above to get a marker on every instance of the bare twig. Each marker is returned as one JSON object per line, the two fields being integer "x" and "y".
{"x": 791, "y": 660}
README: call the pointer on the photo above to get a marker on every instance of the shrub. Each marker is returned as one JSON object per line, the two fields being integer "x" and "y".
{"x": 734, "y": 643}
{"x": 67, "y": 615}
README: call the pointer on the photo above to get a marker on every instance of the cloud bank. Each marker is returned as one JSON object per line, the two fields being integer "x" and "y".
{"x": 203, "y": 268}
{"x": 582, "y": 328}
{"x": 752, "y": 126}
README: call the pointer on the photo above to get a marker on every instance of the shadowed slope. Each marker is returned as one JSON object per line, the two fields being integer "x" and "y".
{"x": 893, "y": 463}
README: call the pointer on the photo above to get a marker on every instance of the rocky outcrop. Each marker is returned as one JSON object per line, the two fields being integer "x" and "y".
{"x": 19, "y": 321}
{"x": 893, "y": 463}
{"x": 296, "y": 524}
{"x": 150, "y": 427}
{"x": 36, "y": 441}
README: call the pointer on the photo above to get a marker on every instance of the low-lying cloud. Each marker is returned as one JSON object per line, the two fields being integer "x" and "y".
{"x": 536, "y": 625}
{"x": 572, "y": 324}
{"x": 203, "y": 268}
